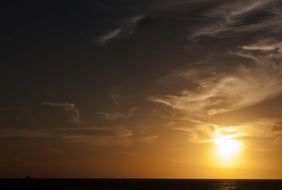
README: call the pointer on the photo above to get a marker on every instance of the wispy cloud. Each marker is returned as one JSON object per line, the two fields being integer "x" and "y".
{"x": 111, "y": 116}
{"x": 211, "y": 91}
{"x": 225, "y": 92}
{"x": 90, "y": 135}
{"x": 269, "y": 46}
{"x": 41, "y": 127}
{"x": 67, "y": 107}
{"x": 25, "y": 133}
{"x": 109, "y": 36}
{"x": 114, "y": 136}
{"x": 97, "y": 136}
{"x": 205, "y": 132}
{"x": 118, "y": 115}
{"x": 115, "y": 98}
{"x": 147, "y": 139}
{"x": 126, "y": 28}
{"x": 229, "y": 10}
{"x": 231, "y": 18}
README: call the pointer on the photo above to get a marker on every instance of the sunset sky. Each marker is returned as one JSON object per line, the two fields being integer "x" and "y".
{"x": 139, "y": 88}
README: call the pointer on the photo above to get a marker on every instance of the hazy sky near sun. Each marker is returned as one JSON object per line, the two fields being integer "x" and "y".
{"x": 137, "y": 88}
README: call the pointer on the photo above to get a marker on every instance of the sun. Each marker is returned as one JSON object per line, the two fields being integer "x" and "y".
{"x": 227, "y": 151}
{"x": 227, "y": 147}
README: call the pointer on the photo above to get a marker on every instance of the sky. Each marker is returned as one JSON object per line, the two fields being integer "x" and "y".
{"x": 142, "y": 89}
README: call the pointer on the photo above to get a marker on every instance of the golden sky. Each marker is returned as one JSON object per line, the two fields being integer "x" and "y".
{"x": 162, "y": 89}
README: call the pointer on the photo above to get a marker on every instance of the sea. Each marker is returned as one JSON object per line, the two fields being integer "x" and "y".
{"x": 138, "y": 184}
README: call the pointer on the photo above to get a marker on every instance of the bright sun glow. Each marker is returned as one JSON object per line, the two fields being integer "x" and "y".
{"x": 227, "y": 147}
{"x": 228, "y": 150}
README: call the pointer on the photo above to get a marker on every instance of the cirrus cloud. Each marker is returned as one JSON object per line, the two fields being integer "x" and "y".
{"x": 225, "y": 92}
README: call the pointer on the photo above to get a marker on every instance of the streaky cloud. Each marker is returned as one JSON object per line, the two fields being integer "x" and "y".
{"x": 109, "y": 136}
{"x": 67, "y": 107}
{"x": 226, "y": 92}
{"x": 125, "y": 29}
{"x": 205, "y": 132}
{"x": 229, "y": 19}
{"x": 118, "y": 115}
{"x": 116, "y": 33}
{"x": 269, "y": 46}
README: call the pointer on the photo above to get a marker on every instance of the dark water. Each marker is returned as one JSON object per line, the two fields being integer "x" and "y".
{"x": 138, "y": 184}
